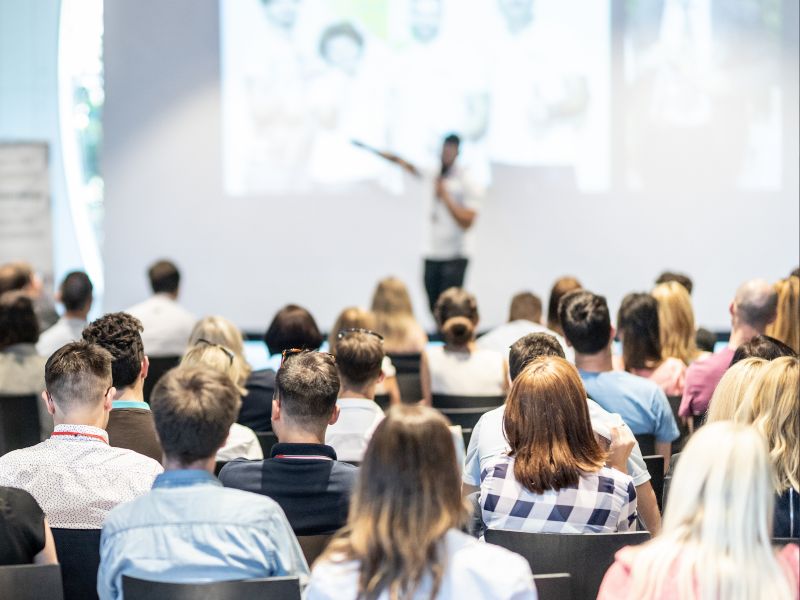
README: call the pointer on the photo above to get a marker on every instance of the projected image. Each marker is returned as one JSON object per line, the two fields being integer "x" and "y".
{"x": 523, "y": 82}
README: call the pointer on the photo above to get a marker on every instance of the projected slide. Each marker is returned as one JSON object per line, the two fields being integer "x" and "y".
{"x": 524, "y": 83}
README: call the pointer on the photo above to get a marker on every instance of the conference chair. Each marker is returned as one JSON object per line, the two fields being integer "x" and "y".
{"x": 218, "y": 466}
{"x": 784, "y": 541}
{"x": 673, "y": 461}
{"x": 78, "y": 552}
{"x": 31, "y": 582}
{"x": 407, "y": 368}
{"x": 158, "y": 366}
{"x": 272, "y": 588}
{"x": 586, "y": 557}
{"x": 383, "y": 401}
{"x": 467, "y": 418}
{"x": 553, "y": 586}
{"x": 313, "y": 545}
{"x": 647, "y": 444}
{"x": 674, "y": 404}
{"x": 447, "y": 401}
{"x": 655, "y": 466}
{"x": 267, "y": 439}
{"x": 19, "y": 421}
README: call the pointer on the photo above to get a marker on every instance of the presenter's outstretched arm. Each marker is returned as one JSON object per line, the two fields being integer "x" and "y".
{"x": 464, "y": 216}
{"x": 391, "y": 157}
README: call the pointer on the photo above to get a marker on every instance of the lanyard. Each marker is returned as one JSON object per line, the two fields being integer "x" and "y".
{"x": 81, "y": 434}
{"x": 304, "y": 456}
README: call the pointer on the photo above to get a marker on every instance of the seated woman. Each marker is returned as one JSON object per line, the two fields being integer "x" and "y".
{"x": 25, "y": 536}
{"x": 460, "y": 368}
{"x": 715, "y": 538}
{"x": 677, "y": 329}
{"x": 242, "y": 441}
{"x": 554, "y": 478}
{"x": 403, "y": 538}
{"x": 638, "y": 329}
{"x": 561, "y": 287}
{"x": 395, "y": 321}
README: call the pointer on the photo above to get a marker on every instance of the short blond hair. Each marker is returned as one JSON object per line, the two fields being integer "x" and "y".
{"x": 676, "y": 321}
{"x": 217, "y": 358}
{"x": 733, "y": 397}
{"x": 219, "y": 330}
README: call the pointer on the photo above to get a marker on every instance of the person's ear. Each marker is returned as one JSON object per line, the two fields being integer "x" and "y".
{"x": 145, "y": 367}
{"x": 276, "y": 409}
{"x": 732, "y": 308}
{"x": 381, "y": 378}
{"x": 108, "y": 400}
{"x": 334, "y": 415}
{"x": 613, "y": 335}
{"x": 48, "y": 402}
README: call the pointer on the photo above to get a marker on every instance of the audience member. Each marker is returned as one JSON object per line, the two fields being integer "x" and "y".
{"x": 762, "y": 346}
{"x": 189, "y": 528}
{"x": 459, "y": 367}
{"x": 561, "y": 287}
{"x": 638, "y": 329}
{"x": 554, "y": 478}
{"x": 75, "y": 476}
{"x": 25, "y": 536}
{"x": 640, "y": 402}
{"x": 359, "y": 355}
{"x": 394, "y": 314}
{"x": 167, "y": 325}
{"x": 241, "y": 441}
{"x": 715, "y": 542}
{"x": 20, "y": 277}
{"x": 219, "y": 330}
{"x": 487, "y": 441}
{"x": 786, "y": 326}
{"x": 302, "y": 474}
{"x": 524, "y": 317}
{"x": 403, "y": 536}
{"x": 130, "y": 422}
{"x": 75, "y": 294}
{"x": 705, "y": 341}
{"x": 751, "y": 311}
{"x": 733, "y": 397}
{"x": 669, "y": 276}
{"x": 21, "y": 368}
{"x": 676, "y": 319}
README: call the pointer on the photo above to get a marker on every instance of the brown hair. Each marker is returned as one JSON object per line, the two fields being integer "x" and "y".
{"x": 18, "y": 322}
{"x": 292, "y": 327}
{"x": 407, "y": 497}
{"x": 525, "y": 305}
{"x": 638, "y": 327}
{"x": 786, "y": 326}
{"x": 78, "y": 373}
{"x": 359, "y": 357}
{"x": 394, "y": 317}
{"x": 561, "y": 287}
{"x": 194, "y": 409}
{"x": 120, "y": 334}
{"x": 351, "y": 317}
{"x": 456, "y": 313}
{"x": 15, "y": 276}
{"x": 164, "y": 277}
{"x": 308, "y": 385}
{"x": 547, "y": 425}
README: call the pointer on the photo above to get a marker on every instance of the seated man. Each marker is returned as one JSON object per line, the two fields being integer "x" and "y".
{"x": 75, "y": 294}
{"x": 487, "y": 441}
{"x": 359, "y": 356}
{"x": 189, "y": 528}
{"x": 302, "y": 474}
{"x": 75, "y": 476}
{"x": 130, "y": 424}
{"x": 640, "y": 402}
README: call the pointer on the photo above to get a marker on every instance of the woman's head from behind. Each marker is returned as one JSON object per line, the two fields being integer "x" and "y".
{"x": 292, "y": 327}
{"x": 786, "y": 326}
{"x": 18, "y": 322}
{"x": 391, "y": 297}
{"x": 217, "y": 358}
{"x": 352, "y": 317}
{"x": 547, "y": 425}
{"x": 637, "y": 326}
{"x": 219, "y": 330}
{"x": 456, "y": 313}
{"x": 733, "y": 397}
{"x": 676, "y": 321}
{"x": 561, "y": 287}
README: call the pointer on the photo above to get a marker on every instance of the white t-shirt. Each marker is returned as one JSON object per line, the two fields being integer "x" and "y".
{"x": 167, "y": 325}
{"x": 349, "y": 436}
{"x": 242, "y": 442}
{"x": 65, "y": 330}
{"x": 473, "y": 569}
{"x": 447, "y": 239}
{"x": 502, "y": 337}
{"x": 477, "y": 373}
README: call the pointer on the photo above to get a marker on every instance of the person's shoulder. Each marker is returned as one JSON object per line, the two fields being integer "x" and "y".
{"x": 19, "y": 500}
{"x": 466, "y": 553}
{"x": 621, "y": 480}
{"x": 140, "y": 462}
{"x": 333, "y": 577}
{"x": 242, "y": 503}
{"x": 790, "y": 555}
{"x": 241, "y": 467}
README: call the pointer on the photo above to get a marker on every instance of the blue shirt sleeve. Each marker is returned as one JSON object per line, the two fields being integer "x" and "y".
{"x": 472, "y": 461}
{"x": 666, "y": 427}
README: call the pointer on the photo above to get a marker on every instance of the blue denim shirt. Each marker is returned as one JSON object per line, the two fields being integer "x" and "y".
{"x": 189, "y": 528}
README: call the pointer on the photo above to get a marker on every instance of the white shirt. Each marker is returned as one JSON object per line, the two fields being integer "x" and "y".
{"x": 473, "y": 569}
{"x": 477, "y": 373}
{"x": 501, "y": 338}
{"x": 242, "y": 442}
{"x": 488, "y": 442}
{"x": 349, "y": 436}
{"x": 76, "y": 477}
{"x": 447, "y": 239}
{"x": 65, "y": 330}
{"x": 167, "y": 325}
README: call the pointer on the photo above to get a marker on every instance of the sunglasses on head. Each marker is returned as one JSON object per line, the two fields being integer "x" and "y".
{"x": 228, "y": 352}
{"x": 345, "y": 332}
{"x": 290, "y": 352}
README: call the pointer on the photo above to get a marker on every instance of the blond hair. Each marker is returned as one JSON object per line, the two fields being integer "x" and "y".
{"x": 715, "y": 539}
{"x": 219, "y": 330}
{"x": 676, "y": 321}
{"x": 776, "y": 414}
{"x": 351, "y": 317}
{"x": 394, "y": 317}
{"x": 733, "y": 397}
{"x": 217, "y": 358}
{"x": 786, "y": 326}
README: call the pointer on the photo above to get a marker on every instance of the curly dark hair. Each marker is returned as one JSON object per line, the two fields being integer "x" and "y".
{"x": 120, "y": 334}
{"x": 18, "y": 322}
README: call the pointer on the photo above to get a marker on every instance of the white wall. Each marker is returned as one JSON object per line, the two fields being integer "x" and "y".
{"x": 245, "y": 257}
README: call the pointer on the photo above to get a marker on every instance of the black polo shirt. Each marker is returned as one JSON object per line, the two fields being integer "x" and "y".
{"x": 311, "y": 486}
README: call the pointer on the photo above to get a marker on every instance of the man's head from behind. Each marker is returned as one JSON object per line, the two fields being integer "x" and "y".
{"x": 586, "y": 321}
{"x": 75, "y": 293}
{"x": 120, "y": 334}
{"x": 18, "y": 322}
{"x": 755, "y": 305}
{"x": 164, "y": 277}
{"x": 526, "y": 306}
{"x": 194, "y": 409}
{"x": 530, "y": 347}
{"x": 306, "y": 388}
{"x": 359, "y": 356}
{"x": 668, "y": 276}
{"x": 19, "y": 276}
{"x": 78, "y": 384}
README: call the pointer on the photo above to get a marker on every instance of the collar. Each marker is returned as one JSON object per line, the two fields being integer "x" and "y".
{"x": 122, "y": 403}
{"x": 185, "y": 478}
{"x": 303, "y": 451}
{"x": 80, "y": 432}
{"x": 355, "y": 402}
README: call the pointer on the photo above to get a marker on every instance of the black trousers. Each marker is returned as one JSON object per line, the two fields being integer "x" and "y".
{"x": 443, "y": 274}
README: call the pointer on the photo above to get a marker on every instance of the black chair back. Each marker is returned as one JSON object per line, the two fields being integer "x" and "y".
{"x": 31, "y": 582}
{"x": 655, "y": 466}
{"x": 382, "y": 400}
{"x": 586, "y": 557}
{"x": 407, "y": 367}
{"x": 158, "y": 366}
{"x": 272, "y": 588}
{"x": 267, "y": 439}
{"x": 406, "y": 363}
{"x": 19, "y": 421}
{"x": 466, "y": 417}
{"x": 446, "y": 401}
{"x": 647, "y": 444}
{"x": 674, "y": 404}
{"x": 78, "y": 553}
{"x": 219, "y": 465}
{"x": 553, "y": 586}
{"x": 784, "y": 541}
{"x": 313, "y": 545}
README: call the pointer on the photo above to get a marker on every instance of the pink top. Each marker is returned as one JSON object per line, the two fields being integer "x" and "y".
{"x": 618, "y": 581}
{"x": 702, "y": 378}
{"x": 669, "y": 376}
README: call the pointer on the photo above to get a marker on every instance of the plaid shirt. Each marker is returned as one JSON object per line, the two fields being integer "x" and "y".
{"x": 601, "y": 502}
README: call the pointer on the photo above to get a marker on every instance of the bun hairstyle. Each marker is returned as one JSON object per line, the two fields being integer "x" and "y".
{"x": 456, "y": 313}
